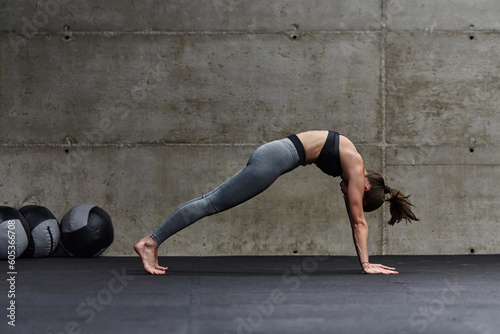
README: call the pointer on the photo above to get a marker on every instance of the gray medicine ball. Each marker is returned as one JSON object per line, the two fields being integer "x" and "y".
{"x": 14, "y": 233}
{"x": 44, "y": 231}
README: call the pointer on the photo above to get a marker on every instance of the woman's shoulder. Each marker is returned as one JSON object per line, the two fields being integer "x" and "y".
{"x": 349, "y": 155}
{"x": 345, "y": 144}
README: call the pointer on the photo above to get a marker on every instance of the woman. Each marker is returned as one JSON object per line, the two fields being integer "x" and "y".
{"x": 333, "y": 153}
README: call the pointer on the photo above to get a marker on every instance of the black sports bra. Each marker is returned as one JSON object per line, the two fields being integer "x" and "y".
{"x": 329, "y": 158}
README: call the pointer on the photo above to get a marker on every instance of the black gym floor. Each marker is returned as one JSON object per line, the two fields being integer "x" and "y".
{"x": 432, "y": 294}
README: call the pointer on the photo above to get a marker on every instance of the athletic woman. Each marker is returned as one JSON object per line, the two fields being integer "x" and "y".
{"x": 332, "y": 152}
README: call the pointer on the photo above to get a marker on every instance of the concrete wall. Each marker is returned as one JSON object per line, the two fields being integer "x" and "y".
{"x": 139, "y": 106}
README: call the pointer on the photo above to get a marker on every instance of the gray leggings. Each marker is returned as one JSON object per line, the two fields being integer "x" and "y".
{"x": 265, "y": 165}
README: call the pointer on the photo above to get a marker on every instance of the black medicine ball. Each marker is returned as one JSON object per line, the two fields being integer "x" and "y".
{"x": 86, "y": 230}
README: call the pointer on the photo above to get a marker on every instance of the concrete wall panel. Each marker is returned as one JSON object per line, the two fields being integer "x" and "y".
{"x": 431, "y": 15}
{"x": 442, "y": 89}
{"x": 197, "y": 15}
{"x": 130, "y": 89}
{"x": 457, "y": 209}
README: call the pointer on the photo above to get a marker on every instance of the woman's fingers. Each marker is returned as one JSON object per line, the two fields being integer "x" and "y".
{"x": 382, "y": 266}
{"x": 380, "y": 269}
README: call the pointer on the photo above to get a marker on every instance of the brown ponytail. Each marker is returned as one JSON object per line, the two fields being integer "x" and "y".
{"x": 400, "y": 206}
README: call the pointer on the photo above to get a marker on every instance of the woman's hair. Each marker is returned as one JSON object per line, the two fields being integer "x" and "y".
{"x": 400, "y": 206}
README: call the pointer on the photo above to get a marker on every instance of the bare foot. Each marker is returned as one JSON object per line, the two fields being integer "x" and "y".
{"x": 147, "y": 249}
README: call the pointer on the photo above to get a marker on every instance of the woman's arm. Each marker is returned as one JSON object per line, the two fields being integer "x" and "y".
{"x": 360, "y": 238}
{"x": 353, "y": 191}
{"x": 353, "y": 187}
{"x": 360, "y": 234}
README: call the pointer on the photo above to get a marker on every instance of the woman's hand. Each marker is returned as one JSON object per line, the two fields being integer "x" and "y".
{"x": 372, "y": 268}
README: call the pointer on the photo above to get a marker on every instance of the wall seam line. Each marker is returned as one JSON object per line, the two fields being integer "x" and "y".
{"x": 383, "y": 83}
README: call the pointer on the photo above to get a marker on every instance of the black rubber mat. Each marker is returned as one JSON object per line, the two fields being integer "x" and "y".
{"x": 432, "y": 294}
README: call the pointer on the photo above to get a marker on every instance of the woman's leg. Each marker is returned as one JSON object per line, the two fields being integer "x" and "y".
{"x": 265, "y": 165}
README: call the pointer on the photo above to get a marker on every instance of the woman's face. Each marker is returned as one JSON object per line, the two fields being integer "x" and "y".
{"x": 343, "y": 188}
{"x": 344, "y": 184}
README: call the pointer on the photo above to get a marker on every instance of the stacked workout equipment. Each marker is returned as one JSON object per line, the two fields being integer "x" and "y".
{"x": 33, "y": 231}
